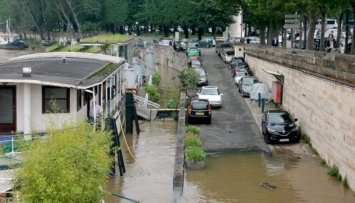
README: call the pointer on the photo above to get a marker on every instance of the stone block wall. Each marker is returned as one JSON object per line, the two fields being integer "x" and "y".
{"x": 325, "y": 107}
{"x": 168, "y": 62}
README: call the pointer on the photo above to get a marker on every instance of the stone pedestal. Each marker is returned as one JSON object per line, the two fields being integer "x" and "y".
{"x": 195, "y": 165}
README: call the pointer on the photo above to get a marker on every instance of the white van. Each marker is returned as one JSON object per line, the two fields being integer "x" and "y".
{"x": 331, "y": 23}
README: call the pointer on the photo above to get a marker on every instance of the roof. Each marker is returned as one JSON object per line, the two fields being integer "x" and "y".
{"x": 80, "y": 70}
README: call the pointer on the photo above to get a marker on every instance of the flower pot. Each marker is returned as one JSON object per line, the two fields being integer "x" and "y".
{"x": 195, "y": 165}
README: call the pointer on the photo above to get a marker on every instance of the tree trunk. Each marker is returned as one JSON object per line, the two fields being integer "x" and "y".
{"x": 38, "y": 27}
{"x": 321, "y": 46}
{"x": 199, "y": 33}
{"x": 347, "y": 30}
{"x": 193, "y": 31}
{"x": 214, "y": 32}
{"x": 121, "y": 29}
{"x": 262, "y": 36}
{"x": 304, "y": 45}
{"x": 186, "y": 32}
{"x": 166, "y": 31}
{"x": 75, "y": 15}
{"x": 353, "y": 38}
{"x": 312, "y": 27}
{"x": 340, "y": 22}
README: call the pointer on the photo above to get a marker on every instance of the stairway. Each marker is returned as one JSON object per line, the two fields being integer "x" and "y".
{"x": 145, "y": 108}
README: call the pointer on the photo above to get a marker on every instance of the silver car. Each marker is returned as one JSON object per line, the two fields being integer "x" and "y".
{"x": 245, "y": 84}
{"x": 203, "y": 76}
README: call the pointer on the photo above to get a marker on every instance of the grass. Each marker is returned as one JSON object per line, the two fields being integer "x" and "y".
{"x": 93, "y": 49}
{"x": 53, "y": 47}
{"x": 192, "y": 141}
{"x": 107, "y": 38}
{"x": 345, "y": 182}
{"x": 75, "y": 48}
{"x": 169, "y": 94}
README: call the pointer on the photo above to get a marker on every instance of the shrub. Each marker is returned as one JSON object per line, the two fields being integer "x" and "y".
{"x": 189, "y": 79}
{"x": 192, "y": 141}
{"x": 156, "y": 79}
{"x": 345, "y": 182}
{"x": 306, "y": 138}
{"x": 195, "y": 154}
{"x": 333, "y": 171}
{"x": 323, "y": 162}
{"x": 153, "y": 93}
{"x": 193, "y": 129}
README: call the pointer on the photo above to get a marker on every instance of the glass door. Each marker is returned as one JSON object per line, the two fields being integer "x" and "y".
{"x": 7, "y": 109}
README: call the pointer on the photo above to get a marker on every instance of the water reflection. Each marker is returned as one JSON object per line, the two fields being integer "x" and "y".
{"x": 235, "y": 177}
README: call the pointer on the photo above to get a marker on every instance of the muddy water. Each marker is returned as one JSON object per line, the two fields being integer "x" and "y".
{"x": 235, "y": 177}
{"x": 228, "y": 177}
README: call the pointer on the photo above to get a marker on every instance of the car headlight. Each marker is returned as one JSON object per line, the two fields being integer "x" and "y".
{"x": 271, "y": 130}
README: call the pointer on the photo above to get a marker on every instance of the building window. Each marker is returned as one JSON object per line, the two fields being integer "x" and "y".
{"x": 79, "y": 96}
{"x": 55, "y": 99}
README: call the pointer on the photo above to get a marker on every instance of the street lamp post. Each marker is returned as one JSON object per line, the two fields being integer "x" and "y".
{"x": 94, "y": 106}
{"x": 138, "y": 30}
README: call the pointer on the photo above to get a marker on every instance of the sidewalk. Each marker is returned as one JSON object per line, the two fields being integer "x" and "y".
{"x": 296, "y": 149}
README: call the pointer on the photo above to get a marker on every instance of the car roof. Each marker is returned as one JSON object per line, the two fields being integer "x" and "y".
{"x": 250, "y": 77}
{"x": 199, "y": 100}
{"x": 209, "y": 87}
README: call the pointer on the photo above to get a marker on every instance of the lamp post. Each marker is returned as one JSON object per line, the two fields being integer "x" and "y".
{"x": 94, "y": 106}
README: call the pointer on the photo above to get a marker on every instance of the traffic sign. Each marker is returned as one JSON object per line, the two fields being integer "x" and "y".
{"x": 292, "y": 16}
{"x": 292, "y": 26}
{"x": 292, "y": 20}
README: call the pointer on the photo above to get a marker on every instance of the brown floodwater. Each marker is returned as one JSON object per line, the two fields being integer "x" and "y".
{"x": 231, "y": 176}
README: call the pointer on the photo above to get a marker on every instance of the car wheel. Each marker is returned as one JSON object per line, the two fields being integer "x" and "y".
{"x": 242, "y": 93}
{"x": 238, "y": 89}
{"x": 267, "y": 139}
{"x": 298, "y": 139}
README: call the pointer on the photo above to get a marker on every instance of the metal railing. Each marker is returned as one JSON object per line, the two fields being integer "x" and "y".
{"x": 145, "y": 108}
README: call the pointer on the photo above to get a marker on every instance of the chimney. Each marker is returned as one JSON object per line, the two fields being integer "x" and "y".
{"x": 26, "y": 71}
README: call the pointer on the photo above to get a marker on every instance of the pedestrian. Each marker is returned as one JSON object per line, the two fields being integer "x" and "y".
{"x": 330, "y": 43}
{"x": 98, "y": 110}
{"x": 275, "y": 41}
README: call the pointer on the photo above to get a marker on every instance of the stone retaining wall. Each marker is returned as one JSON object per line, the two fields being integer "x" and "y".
{"x": 332, "y": 66}
{"x": 324, "y": 106}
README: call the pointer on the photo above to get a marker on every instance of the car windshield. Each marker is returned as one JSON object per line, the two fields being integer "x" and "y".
{"x": 249, "y": 81}
{"x": 209, "y": 91}
{"x": 280, "y": 118}
{"x": 230, "y": 52}
{"x": 199, "y": 105}
{"x": 192, "y": 45}
{"x": 226, "y": 45}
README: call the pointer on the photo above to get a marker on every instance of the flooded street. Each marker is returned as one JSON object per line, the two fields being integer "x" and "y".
{"x": 6, "y": 54}
{"x": 232, "y": 176}
{"x": 235, "y": 177}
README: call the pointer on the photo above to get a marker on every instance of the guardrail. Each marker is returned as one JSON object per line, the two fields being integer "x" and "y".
{"x": 145, "y": 108}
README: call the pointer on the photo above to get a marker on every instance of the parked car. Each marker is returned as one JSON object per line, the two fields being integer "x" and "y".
{"x": 46, "y": 43}
{"x": 212, "y": 94}
{"x": 166, "y": 42}
{"x": 245, "y": 83}
{"x": 228, "y": 55}
{"x": 193, "y": 45}
{"x": 239, "y": 67}
{"x": 193, "y": 52}
{"x": 222, "y": 46}
{"x": 194, "y": 63}
{"x": 203, "y": 76}
{"x": 279, "y": 126}
{"x": 199, "y": 110}
{"x": 239, "y": 76}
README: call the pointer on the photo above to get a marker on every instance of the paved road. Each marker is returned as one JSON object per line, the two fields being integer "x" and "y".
{"x": 233, "y": 126}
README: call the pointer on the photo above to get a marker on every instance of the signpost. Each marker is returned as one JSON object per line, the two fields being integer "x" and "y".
{"x": 292, "y": 21}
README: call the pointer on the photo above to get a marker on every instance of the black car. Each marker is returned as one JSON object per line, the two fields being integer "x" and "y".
{"x": 279, "y": 126}
{"x": 199, "y": 110}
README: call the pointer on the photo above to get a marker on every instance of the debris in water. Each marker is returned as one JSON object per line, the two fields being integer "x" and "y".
{"x": 267, "y": 185}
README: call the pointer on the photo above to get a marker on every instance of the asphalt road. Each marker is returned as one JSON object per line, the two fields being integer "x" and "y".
{"x": 232, "y": 126}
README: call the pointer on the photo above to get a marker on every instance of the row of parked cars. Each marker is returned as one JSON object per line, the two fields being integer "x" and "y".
{"x": 277, "y": 125}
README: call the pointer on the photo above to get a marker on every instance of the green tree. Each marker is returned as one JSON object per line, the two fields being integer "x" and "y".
{"x": 70, "y": 165}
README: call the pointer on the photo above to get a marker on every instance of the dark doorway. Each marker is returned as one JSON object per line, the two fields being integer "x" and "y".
{"x": 7, "y": 109}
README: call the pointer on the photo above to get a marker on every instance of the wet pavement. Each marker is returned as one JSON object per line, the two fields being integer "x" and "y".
{"x": 150, "y": 178}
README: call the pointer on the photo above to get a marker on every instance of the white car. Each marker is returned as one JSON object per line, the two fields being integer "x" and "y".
{"x": 239, "y": 75}
{"x": 212, "y": 94}
{"x": 228, "y": 55}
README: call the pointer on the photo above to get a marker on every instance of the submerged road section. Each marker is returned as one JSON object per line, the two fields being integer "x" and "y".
{"x": 232, "y": 126}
